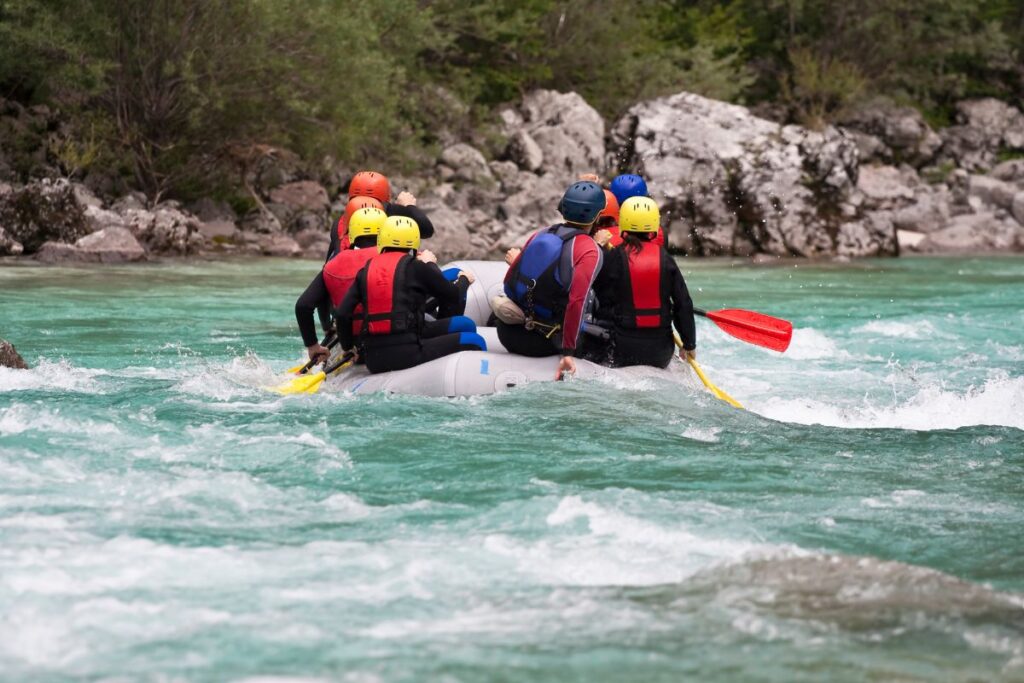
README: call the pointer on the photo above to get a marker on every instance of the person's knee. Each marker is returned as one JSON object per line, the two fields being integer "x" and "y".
{"x": 461, "y": 323}
{"x": 472, "y": 339}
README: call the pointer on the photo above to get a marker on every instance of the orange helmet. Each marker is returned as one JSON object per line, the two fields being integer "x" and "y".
{"x": 369, "y": 184}
{"x": 361, "y": 202}
{"x": 611, "y": 207}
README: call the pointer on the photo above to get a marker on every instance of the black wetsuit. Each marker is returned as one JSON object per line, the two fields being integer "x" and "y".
{"x": 643, "y": 346}
{"x": 431, "y": 340}
{"x": 317, "y": 298}
{"x": 391, "y": 209}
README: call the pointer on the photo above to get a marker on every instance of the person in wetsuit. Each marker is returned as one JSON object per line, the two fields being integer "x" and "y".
{"x": 373, "y": 185}
{"x": 392, "y": 289}
{"x": 333, "y": 281}
{"x": 641, "y": 292}
{"x": 550, "y": 279}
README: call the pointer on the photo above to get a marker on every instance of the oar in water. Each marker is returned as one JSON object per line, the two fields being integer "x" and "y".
{"x": 310, "y": 384}
{"x": 752, "y": 327}
{"x": 329, "y": 341}
{"x": 704, "y": 378}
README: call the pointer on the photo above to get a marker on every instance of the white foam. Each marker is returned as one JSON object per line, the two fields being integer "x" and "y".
{"x": 810, "y": 344}
{"x": 616, "y": 548}
{"x": 998, "y": 402}
{"x": 921, "y": 329}
{"x": 21, "y": 417}
{"x": 705, "y": 434}
{"x": 51, "y": 376}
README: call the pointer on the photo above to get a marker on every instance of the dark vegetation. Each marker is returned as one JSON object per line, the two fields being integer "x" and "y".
{"x": 178, "y": 96}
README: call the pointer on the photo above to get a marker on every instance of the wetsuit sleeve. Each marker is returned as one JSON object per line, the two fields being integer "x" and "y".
{"x": 682, "y": 304}
{"x": 586, "y": 262}
{"x": 415, "y": 213}
{"x": 335, "y": 245}
{"x": 315, "y": 297}
{"x": 343, "y": 313}
{"x": 430, "y": 278}
{"x": 605, "y": 286}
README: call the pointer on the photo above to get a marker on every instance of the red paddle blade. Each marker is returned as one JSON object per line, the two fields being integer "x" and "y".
{"x": 755, "y": 328}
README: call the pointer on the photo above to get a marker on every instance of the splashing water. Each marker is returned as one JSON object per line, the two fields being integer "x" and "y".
{"x": 164, "y": 517}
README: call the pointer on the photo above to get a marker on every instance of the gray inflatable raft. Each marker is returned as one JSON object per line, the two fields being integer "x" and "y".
{"x": 490, "y": 278}
{"x": 476, "y": 373}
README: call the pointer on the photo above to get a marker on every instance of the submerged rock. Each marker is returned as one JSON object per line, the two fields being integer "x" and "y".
{"x": 9, "y": 356}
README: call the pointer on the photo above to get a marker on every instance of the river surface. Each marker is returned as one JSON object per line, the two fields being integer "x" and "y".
{"x": 162, "y": 517}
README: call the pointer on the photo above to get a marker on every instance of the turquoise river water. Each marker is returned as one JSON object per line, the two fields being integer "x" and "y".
{"x": 164, "y": 518}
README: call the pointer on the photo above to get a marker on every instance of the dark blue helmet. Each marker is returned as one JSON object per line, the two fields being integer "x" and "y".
{"x": 626, "y": 186}
{"x": 581, "y": 203}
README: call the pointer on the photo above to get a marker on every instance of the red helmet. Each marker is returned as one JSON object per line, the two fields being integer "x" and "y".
{"x": 611, "y": 207}
{"x": 369, "y": 184}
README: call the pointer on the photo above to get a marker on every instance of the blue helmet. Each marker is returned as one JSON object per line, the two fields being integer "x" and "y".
{"x": 581, "y": 203}
{"x": 626, "y": 186}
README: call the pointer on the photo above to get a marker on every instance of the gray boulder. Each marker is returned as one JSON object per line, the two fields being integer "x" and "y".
{"x": 41, "y": 211}
{"x": 9, "y": 246}
{"x": 740, "y": 184}
{"x": 279, "y": 245}
{"x": 1003, "y": 124}
{"x": 902, "y": 134}
{"x": 303, "y": 194}
{"x": 112, "y": 245}
{"x": 975, "y": 233}
{"x": 568, "y": 132}
{"x": 9, "y": 356}
{"x": 1011, "y": 171}
{"x": 991, "y": 191}
{"x": 165, "y": 230}
{"x": 467, "y": 164}
{"x": 1017, "y": 207}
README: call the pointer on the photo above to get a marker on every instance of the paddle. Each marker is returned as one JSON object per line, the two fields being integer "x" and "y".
{"x": 719, "y": 394}
{"x": 310, "y": 384}
{"x": 753, "y": 327}
{"x": 329, "y": 341}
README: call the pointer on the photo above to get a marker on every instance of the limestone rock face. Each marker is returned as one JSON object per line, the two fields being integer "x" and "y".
{"x": 467, "y": 163}
{"x": 41, "y": 211}
{"x": 9, "y": 246}
{"x": 279, "y": 245}
{"x": 166, "y": 230}
{"x": 568, "y": 131}
{"x": 9, "y": 356}
{"x": 901, "y": 134}
{"x": 737, "y": 183}
{"x": 976, "y": 232}
{"x": 112, "y": 245}
{"x": 985, "y": 127}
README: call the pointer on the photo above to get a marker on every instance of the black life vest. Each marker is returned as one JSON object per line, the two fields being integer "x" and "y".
{"x": 389, "y": 304}
{"x": 641, "y": 305}
{"x": 539, "y": 281}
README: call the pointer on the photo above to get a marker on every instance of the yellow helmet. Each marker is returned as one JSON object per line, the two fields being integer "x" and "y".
{"x": 639, "y": 214}
{"x": 400, "y": 232}
{"x": 366, "y": 222}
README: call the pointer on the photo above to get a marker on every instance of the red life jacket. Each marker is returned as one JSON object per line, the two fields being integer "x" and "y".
{"x": 389, "y": 308}
{"x": 642, "y": 307}
{"x": 339, "y": 274}
{"x": 342, "y": 233}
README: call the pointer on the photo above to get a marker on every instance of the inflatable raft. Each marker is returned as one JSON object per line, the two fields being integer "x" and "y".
{"x": 475, "y": 373}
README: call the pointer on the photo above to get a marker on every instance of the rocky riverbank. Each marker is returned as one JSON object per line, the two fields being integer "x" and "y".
{"x": 730, "y": 183}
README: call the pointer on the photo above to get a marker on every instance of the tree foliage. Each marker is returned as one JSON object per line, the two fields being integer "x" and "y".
{"x": 173, "y": 92}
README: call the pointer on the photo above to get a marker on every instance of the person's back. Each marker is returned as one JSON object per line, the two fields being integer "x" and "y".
{"x": 390, "y": 292}
{"x": 641, "y": 292}
{"x": 550, "y": 280}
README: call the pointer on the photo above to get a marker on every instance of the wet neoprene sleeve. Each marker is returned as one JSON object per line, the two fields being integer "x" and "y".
{"x": 315, "y": 298}
{"x": 682, "y": 304}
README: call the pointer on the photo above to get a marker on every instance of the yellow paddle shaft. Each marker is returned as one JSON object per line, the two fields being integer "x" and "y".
{"x": 704, "y": 378}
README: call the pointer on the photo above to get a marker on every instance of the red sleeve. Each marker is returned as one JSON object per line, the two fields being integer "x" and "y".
{"x": 586, "y": 261}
